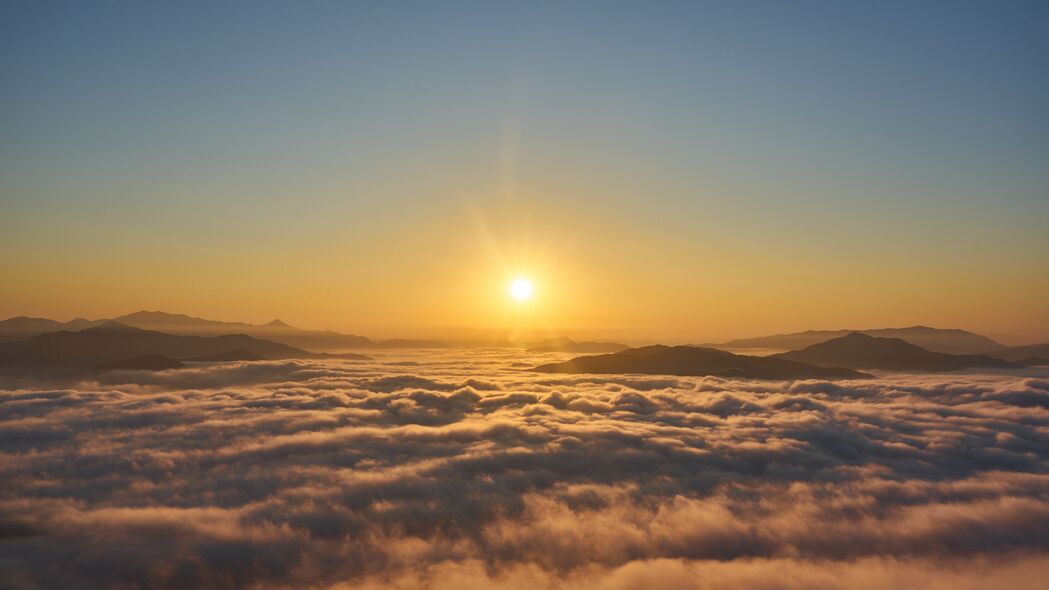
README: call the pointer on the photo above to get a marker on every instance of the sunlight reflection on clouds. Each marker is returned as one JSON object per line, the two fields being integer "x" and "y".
{"x": 431, "y": 467}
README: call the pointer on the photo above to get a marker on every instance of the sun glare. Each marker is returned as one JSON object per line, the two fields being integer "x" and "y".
{"x": 521, "y": 288}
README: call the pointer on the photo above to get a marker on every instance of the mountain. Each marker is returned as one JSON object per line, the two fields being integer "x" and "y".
{"x": 860, "y": 351}
{"x": 113, "y": 342}
{"x": 22, "y": 327}
{"x": 934, "y": 339}
{"x": 695, "y": 361}
{"x": 146, "y": 362}
{"x": 1031, "y": 354}
{"x": 569, "y": 345}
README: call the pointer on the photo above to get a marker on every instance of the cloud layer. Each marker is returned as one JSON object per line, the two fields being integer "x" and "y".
{"x": 458, "y": 470}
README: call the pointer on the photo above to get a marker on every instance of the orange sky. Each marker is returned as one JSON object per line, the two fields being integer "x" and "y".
{"x": 596, "y": 276}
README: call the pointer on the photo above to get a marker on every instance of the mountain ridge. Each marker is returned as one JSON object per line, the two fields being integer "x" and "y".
{"x": 22, "y": 327}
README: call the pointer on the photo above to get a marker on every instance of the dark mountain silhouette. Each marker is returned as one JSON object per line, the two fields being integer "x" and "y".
{"x": 146, "y": 362}
{"x": 229, "y": 356}
{"x": 569, "y": 345}
{"x": 1031, "y": 354}
{"x": 933, "y": 339}
{"x": 860, "y": 351}
{"x": 695, "y": 361}
{"x": 113, "y": 342}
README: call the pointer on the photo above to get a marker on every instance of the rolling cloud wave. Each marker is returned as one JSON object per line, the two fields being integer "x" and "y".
{"x": 463, "y": 470}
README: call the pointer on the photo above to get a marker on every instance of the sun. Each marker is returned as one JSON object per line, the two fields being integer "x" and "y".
{"x": 522, "y": 288}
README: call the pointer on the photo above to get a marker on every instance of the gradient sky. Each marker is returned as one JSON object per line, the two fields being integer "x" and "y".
{"x": 674, "y": 171}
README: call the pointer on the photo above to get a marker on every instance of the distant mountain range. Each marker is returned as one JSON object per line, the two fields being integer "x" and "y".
{"x": 950, "y": 341}
{"x": 860, "y": 351}
{"x": 113, "y": 342}
{"x": 695, "y": 361}
{"x": 20, "y": 328}
{"x": 838, "y": 358}
{"x": 935, "y": 339}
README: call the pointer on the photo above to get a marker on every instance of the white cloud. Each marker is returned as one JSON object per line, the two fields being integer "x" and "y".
{"x": 463, "y": 467}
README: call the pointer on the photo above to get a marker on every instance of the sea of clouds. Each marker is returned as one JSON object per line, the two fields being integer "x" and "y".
{"x": 459, "y": 469}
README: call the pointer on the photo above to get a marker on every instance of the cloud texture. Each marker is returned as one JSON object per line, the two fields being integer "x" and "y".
{"x": 459, "y": 470}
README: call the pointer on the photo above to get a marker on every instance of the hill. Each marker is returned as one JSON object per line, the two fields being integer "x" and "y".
{"x": 860, "y": 351}
{"x": 113, "y": 342}
{"x": 695, "y": 361}
{"x": 951, "y": 341}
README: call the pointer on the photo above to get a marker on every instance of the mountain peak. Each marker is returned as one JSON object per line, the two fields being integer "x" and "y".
{"x": 277, "y": 324}
{"x": 147, "y": 315}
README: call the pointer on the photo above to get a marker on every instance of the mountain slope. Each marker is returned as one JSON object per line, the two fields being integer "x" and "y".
{"x": 694, "y": 361}
{"x": 1029, "y": 354}
{"x": 934, "y": 339}
{"x": 860, "y": 351}
{"x": 113, "y": 342}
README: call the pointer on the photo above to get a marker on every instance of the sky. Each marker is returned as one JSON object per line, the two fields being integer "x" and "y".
{"x": 680, "y": 172}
